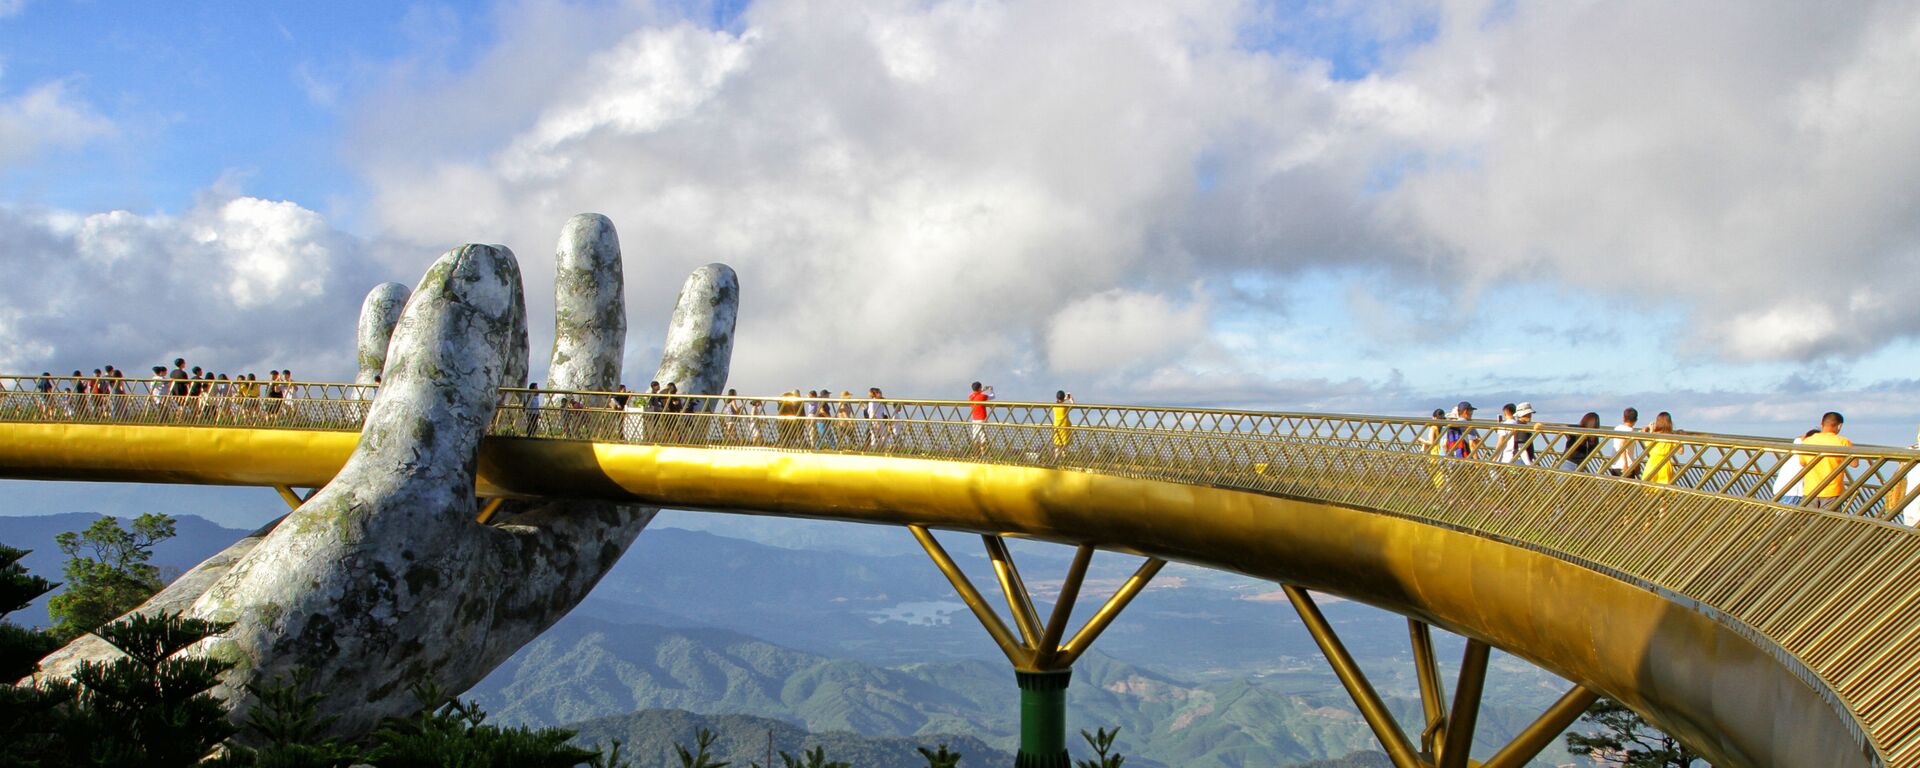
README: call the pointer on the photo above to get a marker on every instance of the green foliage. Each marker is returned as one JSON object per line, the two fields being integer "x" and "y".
{"x": 611, "y": 758}
{"x": 743, "y": 740}
{"x": 449, "y": 733}
{"x": 941, "y": 758}
{"x": 701, "y": 757}
{"x": 20, "y": 648}
{"x": 285, "y": 720}
{"x": 1624, "y": 739}
{"x": 1365, "y": 758}
{"x": 815, "y": 758}
{"x": 107, "y": 573}
{"x": 148, "y": 707}
{"x": 1102, "y": 743}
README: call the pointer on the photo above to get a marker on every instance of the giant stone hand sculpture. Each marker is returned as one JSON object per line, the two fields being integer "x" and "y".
{"x": 384, "y": 578}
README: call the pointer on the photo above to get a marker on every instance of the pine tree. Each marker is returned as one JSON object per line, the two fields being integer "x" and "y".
{"x": 450, "y": 732}
{"x": 107, "y": 573}
{"x": 1102, "y": 744}
{"x": 20, "y": 648}
{"x": 941, "y": 758}
{"x": 24, "y": 710}
{"x": 152, "y": 706}
{"x": 1624, "y": 739}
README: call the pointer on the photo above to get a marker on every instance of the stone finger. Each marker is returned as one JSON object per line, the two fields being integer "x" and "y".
{"x": 378, "y": 314}
{"x": 698, "y": 350}
{"x": 589, "y": 307}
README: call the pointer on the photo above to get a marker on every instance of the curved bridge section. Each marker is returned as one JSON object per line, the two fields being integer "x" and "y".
{"x": 1761, "y": 633}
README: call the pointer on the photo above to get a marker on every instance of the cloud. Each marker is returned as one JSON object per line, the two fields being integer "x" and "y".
{"x": 12, "y": 7}
{"x": 1117, "y": 330}
{"x": 1756, "y": 161}
{"x": 235, "y": 282}
{"x": 919, "y": 193}
{"x": 922, "y": 188}
{"x": 46, "y": 116}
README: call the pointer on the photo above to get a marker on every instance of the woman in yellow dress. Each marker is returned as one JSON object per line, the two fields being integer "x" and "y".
{"x": 1062, "y": 423}
{"x": 1660, "y": 458}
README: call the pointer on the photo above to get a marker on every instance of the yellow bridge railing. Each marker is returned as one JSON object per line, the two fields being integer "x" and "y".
{"x": 1834, "y": 591}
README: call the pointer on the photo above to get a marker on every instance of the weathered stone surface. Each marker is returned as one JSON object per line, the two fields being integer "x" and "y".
{"x": 589, "y": 307}
{"x": 383, "y": 578}
{"x": 700, "y": 336}
{"x": 378, "y": 314}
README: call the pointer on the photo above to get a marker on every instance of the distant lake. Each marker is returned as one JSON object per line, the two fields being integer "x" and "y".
{"x": 928, "y": 613}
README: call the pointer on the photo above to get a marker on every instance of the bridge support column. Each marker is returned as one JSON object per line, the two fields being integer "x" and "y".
{"x": 1042, "y": 664}
{"x": 1447, "y": 739}
{"x": 1043, "y": 719}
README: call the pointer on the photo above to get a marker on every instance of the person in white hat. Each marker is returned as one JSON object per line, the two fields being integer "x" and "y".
{"x": 1519, "y": 447}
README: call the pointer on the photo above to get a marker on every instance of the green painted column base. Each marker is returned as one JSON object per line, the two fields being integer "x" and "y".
{"x": 1043, "y": 719}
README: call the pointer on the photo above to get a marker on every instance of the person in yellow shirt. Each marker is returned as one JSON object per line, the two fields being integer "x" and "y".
{"x": 1062, "y": 423}
{"x": 1827, "y": 480}
{"x": 1660, "y": 458}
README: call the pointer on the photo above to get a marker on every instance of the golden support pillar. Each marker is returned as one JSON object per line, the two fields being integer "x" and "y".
{"x": 1447, "y": 739}
{"x": 1042, "y": 665}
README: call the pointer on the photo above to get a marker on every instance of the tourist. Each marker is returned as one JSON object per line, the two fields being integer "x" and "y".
{"x": 1503, "y": 438}
{"x": 620, "y": 397}
{"x": 823, "y": 410}
{"x": 275, "y": 394}
{"x": 1826, "y": 482}
{"x": 1519, "y": 445}
{"x": 251, "y": 394}
{"x": 158, "y": 387}
{"x": 1660, "y": 453}
{"x": 633, "y": 418}
{"x": 1911, "y": 513}
{"x": 848, "y": 431}
{"x": 1580, "y": 447}
{"x": 531, "y": 402}
{"x": 978, "y": 421}
{"x": 74, "y": 403}
{"x": 674, "y": 402}
{"x": 1626, "y": 450}
{"x": 878, "y": 412}
{"x": 1062, "y": 424}
{"x": 1429, "y": 440}
{"x": 573, "y": 416}
{"x": 1460, "y": 440}
{"x": 790, "y": 412}
{"x": 1784, "y": 476}
{"x": 735, "y": 428}
{"x": 178, "y": 377}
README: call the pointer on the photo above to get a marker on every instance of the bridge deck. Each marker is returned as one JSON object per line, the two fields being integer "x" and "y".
{"x": 1776, "y": 634}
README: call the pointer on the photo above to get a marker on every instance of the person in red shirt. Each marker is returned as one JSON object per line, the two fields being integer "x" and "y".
{"x": 979, "y": 396}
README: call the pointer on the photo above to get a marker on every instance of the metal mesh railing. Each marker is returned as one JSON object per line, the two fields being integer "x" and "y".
{"x": 1836, "y": 589}
{"x": 212, "y": 403}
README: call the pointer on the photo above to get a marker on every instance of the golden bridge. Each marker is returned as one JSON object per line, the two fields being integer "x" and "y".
{"x": 1759, "y": 633}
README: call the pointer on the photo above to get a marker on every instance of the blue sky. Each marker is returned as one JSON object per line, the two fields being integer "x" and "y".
{"x": 1375, "y": 207}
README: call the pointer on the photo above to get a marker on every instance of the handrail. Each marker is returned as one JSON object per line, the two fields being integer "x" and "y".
{"x": 1831, "y": 589}
{"x": 1874, "y": 482}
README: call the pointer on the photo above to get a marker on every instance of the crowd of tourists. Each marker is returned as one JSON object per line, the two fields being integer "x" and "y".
{"x": 818, "y": 418}
{"x": 1808, "y": 479}
{"x": 110, "y": 391}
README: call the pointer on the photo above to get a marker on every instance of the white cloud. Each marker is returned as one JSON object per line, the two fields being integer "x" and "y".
{"x": 1119, "y": 330}
{"x": 920, "y": 192}
{"x": 234, "y": 282}
{"x": 45, "y": 116}
{"x": 1756, "y": 161}
{"x": 11, "y": 7}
